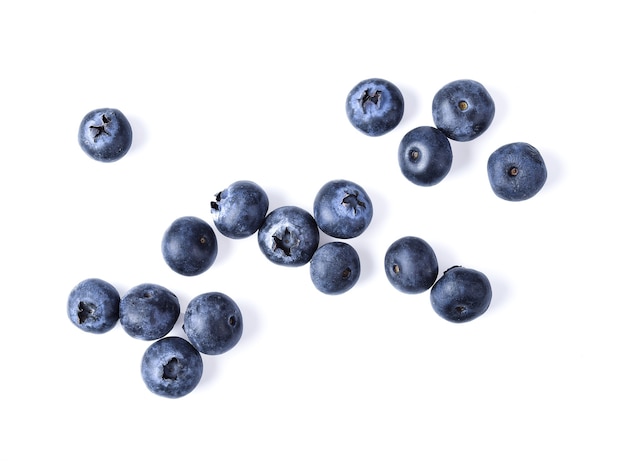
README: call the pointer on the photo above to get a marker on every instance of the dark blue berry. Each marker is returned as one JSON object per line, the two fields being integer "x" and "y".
{"x": 149, "y": 311}
{"x": 289, "y": 236}
{"x": 94, "y": 306}
{"x": 105, "y": 134}
{"x": 375, "y": 106}
{"x": 516, "y": 171}
{"x": 342, "y": 209}
{"x": 171, "y": 367}
{"x": 463, "y": 110}
{"x": 425, "y": 156}
{"x": 239, "y": 210}
{"x": 213, "y": 323}
{"x": 189, "y": 246}
{"x": 461, "y": 294}
{"x": 411, "y": 265}
{"x": 335, "y": 268}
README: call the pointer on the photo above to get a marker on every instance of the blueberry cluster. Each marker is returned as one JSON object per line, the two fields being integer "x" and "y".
{"x": 290, "y": 236}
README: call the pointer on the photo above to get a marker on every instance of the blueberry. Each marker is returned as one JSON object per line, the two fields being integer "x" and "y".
{"x": 425, "y": 156}
{"x": 375, "y": 106}
{"x": 94, "y": 306}
{"x": 105, "y": 134}
{"x": 342, "y": 209}
{"x": 461, "y": 294}
{"x": 516, "y": 171}
{"x": 213, "y": 323}
{"x": 463, "y": 110}
{"x": 411, "y": 265}
{"x": 239, "y": 210}
{"x": 335, "y": 268}
{"x": 149, "y": 311}
{"x": 189, "y": 246}
{"x": 171, "y": 367}
{"x": 289, "y": 236}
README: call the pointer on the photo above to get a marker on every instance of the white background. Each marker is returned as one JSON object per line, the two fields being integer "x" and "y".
{"x": 223, "y": 91}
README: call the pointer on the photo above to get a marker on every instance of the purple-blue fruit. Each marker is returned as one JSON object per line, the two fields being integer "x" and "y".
{"x": 411, "y": 265}
{"x": 335, "y": 268}
{"x": 516, "y": 171}
{"x": 105, "y": 134}
{"x": 213, "y": 323}
{"x": 149, "y": 311}
{"x": 425, "y": 156}
{"x": 461, "y": 294}
{"x": 342, "y": 209}
{"x": 189, "y": 246}
{"x": 463, "y": 110}
{"x": 375, "y": 106}
{"x": 171, "y": 367}
{"x": 93, "y": 305}
{"x": 239, "y": 210}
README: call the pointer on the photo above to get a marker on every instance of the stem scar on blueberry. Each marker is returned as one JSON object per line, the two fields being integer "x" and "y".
{"x": 346, "y": 273}
{"x": 396, "y": 269}
{"x": 459, "y": 309}
{"x": 232, "y": 321}
{"x": 286, "y": 242}
{"x": 513, "y": 171}
{"x": 351, "y": 200}
{"x": 366, "y": 97}
{"x": 463, "y": 105}
{"x": 97, "y": 131}
{"x": 414, "y": 154}
{"x": 85, "y": 310}
{"x": 171, "y": 369}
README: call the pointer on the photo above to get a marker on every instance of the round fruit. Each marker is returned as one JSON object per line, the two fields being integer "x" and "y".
{"x": 411, "y": 265}
{"x": 375, "y": 106}
{"x": 189, "y": 246}
{"x": 105, "y": 134}
{"x": 425, "y": 156}
{"x": 516, "y": 171}
{"x": 461, "y": 294}
{"x": 335, "y": 268}
{"x": 213, "y": 323}
{"x": 149, "y": 311}
{"x": 94, "y": 306}
{"x": 342, "y": 209}
{"x": 463, "y": 110}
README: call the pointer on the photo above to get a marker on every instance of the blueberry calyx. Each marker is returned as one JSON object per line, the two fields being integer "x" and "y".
{"x": 85, "y": 311}
{"x": 97, "y": 131}
{"x": 171, "y": 369}
{"x": 367, "y": 98}
{"x": 351, "y": 200}
{"x": 285, "y": 241}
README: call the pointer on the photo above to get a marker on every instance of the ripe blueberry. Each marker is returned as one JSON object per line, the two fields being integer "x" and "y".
{"x": 463, "y": 110}
{"x": 425, "y": 155}
{"x": 375, "y": 106}
{"x": 149, "y": 311}
{"x": 516, "y": 171}
{"x": 461, "y": 294}
{"x": 171, "y": 367}
{"x": 94, "y": 306}
{"x": 213, "y": 323}
{"x": 335, "y": 268}
{"x": 189, "y": 246}
{"x": 411, "y": 265}
{"x": 342, "y": 209}
{"x": 239, "y": 210}
{"x": 105, "y": 134}
{"x": 289, "y": 236}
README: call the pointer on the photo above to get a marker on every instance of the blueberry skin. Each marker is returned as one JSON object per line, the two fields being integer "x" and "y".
{"x": 189, "y": 246}
{"x": 411, "y": 265}
{"x": 149, "y": 311}
{"x": 93, "y": 305}
{"x": 213, "y": 323}
{"x": 461, "y": 294}
{"x": 289, "y": 236}
{"x": 425, "y": 156}
{"x": 375, "y": 106}
{"x": 335, "y": 268}
{"x": 105, "y": 134}
{"x": 342, "y": 209}
{"x": 463, "y": 110}
{"x": 171, "y": 367}
{"x": 239, "y": 210}
{"x": 516, "y": 171}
